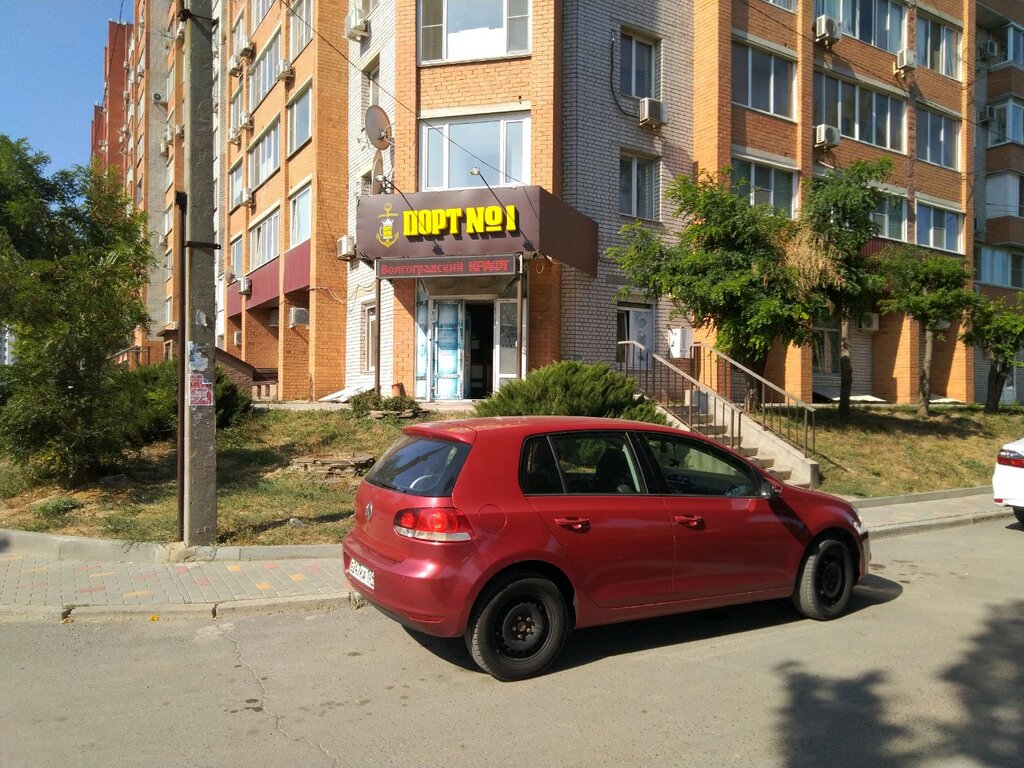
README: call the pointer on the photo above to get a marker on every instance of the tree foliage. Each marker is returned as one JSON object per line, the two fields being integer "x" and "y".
{"x": 727, "y": 269}
{"x": 997, "y": 330}
{"x": 931, "y": 287}
{"x": 571, "y": 388}
{"x": 835, "y": 224}
{"x": 73, "y": 259}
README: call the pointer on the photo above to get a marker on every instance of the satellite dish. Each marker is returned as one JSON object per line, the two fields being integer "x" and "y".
{"x": 378, "y": 127}
{"x": 377, "y": 175}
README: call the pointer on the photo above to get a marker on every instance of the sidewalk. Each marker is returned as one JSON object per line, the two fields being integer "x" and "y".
{"x": 47, "y": 577}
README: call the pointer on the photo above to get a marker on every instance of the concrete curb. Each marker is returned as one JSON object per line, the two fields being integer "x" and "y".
{"x": 302, "y": 604}
{"x": 904, "y": 529}
{"x": 951, "y": 493}
{"x": 141, "y": 612}
{"x": 17, "y": 613}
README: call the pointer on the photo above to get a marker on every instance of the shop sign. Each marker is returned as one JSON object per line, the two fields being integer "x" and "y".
{"x": 446, "y": 266}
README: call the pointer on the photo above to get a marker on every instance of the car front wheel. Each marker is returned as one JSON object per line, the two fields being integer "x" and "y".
{"x": 518, "y": 627}
{"x": 826, "y": 580}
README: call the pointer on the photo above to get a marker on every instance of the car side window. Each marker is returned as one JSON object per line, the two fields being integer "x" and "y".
{"x": 693, "y": 468}
{"x": 538, "y": 470}
{"x": 596, "y": 463}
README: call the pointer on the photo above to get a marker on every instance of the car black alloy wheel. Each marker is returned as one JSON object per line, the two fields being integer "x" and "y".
{"x": 826, "y": 580}
{"x": 518, "y": 626}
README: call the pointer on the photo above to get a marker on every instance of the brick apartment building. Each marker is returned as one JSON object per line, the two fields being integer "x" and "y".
{"x": 525, "y": 133}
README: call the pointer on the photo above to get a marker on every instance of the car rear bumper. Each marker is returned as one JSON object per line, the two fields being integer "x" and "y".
{"x": 422, "y": 594}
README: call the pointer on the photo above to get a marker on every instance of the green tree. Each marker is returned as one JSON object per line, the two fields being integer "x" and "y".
{"x": 932, "y": 288}
{"x": 727, "y": 269}
{"x": 998, "y": 331}
{"x": 73, "y": 259}
{"x": 834, "y": 226}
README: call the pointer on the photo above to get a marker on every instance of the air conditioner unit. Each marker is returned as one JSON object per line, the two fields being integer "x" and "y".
{"x": 235, "y": 135}
{"x": 346, "y": 247}
{"x": 235, "y": 65}
{"x": 140, "y": 70}
{"x": 357, "y": 26}
{"x": 164, "y": 238}
{"x": 179, "y": 33}
{"x": 826, "y": 136}
{"x": 168, "y": 135}
{"x": 285, "y": 70}
{"x": 247, "y": 49}
{"x": 298, "y": 316}
{"x": 245, "y": 286}
{"x": 102, "y": 143}
{"x": 986, "y": 114}
{"x": 653, "y": 113}
{"x": 827, "y": 30}
{"x": 127, "y": 96}
{"x": 179, "y": 129}
{"x": 906, "y": 60}
{"x": 868, "y": 322}
{"x": 989, "y": 50}
{"x": 130, "y": 77}
{"x": 158, "y": 98}
{"x": 165, "y": 147}
{"x": 248, "y": 197}
{"x": 245, "y": 121}
{"x": 237, "y": 338}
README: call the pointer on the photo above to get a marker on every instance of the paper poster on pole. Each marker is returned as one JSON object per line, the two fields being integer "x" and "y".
{"x": 200, "y": 390}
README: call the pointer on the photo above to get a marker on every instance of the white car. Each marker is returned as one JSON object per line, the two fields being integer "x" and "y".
{"x": 1008, "y": 478}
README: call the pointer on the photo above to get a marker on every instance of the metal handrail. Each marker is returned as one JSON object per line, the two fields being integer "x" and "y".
{"x": 700, "y": 407}
{"x": 775, "y": 409}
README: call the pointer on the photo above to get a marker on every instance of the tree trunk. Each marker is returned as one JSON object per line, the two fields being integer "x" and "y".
{"x": 996, "y": 381}
{"x": 925, "y": 390}
{"x": 845, "y": 369}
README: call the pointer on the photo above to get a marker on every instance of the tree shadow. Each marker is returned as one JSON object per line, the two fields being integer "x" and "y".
{"x": 947, "y": 423}
{"x": 843, "y": 722}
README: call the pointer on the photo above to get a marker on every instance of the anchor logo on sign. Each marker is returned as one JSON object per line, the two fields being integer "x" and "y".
{"x": 386, "y": 234}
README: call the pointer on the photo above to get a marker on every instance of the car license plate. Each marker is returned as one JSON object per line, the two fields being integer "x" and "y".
{"x": 360, "y": 573}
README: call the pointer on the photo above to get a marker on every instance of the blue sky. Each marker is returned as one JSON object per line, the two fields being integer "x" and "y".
{"x": 51, "y": 72}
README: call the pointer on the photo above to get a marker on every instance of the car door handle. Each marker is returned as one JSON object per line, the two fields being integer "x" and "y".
{"x": 573, "y": 523}
{"x": 690, "y": 521}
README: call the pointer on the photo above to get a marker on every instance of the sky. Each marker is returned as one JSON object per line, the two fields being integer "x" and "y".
{"x": 51, "y": 72}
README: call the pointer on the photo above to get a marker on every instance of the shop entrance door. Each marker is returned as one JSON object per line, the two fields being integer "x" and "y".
{"x": 505, "y": 333}
{"x": 480, "y": 348}
{"x": 449, "y": 323}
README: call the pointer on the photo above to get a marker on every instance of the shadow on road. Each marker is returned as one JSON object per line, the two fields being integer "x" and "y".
{"x": 848, "y": 720}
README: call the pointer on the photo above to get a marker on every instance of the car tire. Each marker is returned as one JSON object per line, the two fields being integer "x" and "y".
{"x": 1018, "y": 512}
{"x": 518, "y": 626}
{"x": 826, "y": 580}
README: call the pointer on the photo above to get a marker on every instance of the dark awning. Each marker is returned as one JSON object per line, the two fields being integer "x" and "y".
{"x": 475, "y": 222}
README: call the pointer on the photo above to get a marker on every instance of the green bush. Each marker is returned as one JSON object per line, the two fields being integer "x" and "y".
{"x": 571, "y": 388}
{"x": 368, "y": 401}
{"x": 56, "y": 508}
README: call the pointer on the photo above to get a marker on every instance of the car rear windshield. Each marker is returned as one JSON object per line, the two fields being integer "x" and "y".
{"x": 420, "y": 466}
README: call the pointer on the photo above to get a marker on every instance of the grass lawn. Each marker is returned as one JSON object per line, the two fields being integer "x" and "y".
{"x": 880, "y": 452}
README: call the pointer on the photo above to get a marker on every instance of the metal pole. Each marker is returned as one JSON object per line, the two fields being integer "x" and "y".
{"x": 181, "y": 203}
{"x": 519, "y": 320}
{"x": 376, "y": 331}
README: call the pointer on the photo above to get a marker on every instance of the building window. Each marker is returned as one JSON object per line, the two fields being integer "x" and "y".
{"x": 263, "y": 72}
{"x": 1011, "y": 44}
{"x": 1001, "y": 268}
{"x": 235, "y": 115}
{"x": 891, "y": 218}
{"x": 938, "y": 47}
{"x": 140, "y": 149}
{"x": 300, "y": 26}
{"x": 878, "y": 22}
{"x": 637, "y": 186}
{"x": 259, "y": 10}
{"x": 786, "y": 4}
{"x": 1008, "y": 125}
{"x": 238, "y": 38}
{"x": 764, "y": 185}
{"x": 938, "y": 139}
{"x": 369, "y": 338}
{"x": 236, "y": 257}
{"x": 457, "y": 30}
{"x": 265, "y": 241}
{"x": 498, "y": 145}
{"x": 859, "y": 113}
{"x": 371, "y": 85}
{"x": 265, "y": 156}
{"x": 170, "y": 82}
{"x": 300, "y": 120}
{"x": 826, "y": 346}
{"x": 235, "y": 184}
{"x": 938, "y": 228}
{"x": 301, "y": 211}
{"x": 637, "y": 66}
{"x": 168, "y": 219}
{"x": 762, "y": 81}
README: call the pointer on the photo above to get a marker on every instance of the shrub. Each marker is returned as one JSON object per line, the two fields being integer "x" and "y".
{"x": 368, "y": 401}
{"x": 56, "y": 508}
{"x": 571, "y": 388}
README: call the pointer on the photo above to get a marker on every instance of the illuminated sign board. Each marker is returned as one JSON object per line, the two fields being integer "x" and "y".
{"x": 446, "y": 266}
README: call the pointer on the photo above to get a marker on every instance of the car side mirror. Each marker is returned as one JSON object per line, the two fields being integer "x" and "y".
{"x": 771, "y": 488}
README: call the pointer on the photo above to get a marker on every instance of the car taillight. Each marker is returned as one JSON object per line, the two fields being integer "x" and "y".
{"x": 1010, "y": 458}
{"x": 433, "y": 524}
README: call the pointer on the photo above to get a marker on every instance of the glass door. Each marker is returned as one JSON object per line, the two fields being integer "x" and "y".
{"x": 449, "y": 321}
{"x": 505, "y": 333}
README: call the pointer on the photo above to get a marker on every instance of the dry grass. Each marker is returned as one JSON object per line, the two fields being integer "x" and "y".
{"x": 880, "y": 452}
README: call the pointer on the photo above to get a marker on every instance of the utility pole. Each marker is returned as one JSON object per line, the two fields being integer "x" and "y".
{"x": 198, "y": 483}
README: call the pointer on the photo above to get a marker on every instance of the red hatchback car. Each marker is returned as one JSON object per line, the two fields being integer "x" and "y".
{"x": 512, "y": 531}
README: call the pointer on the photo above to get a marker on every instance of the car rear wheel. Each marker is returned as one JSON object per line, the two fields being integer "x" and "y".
{"x": 826, "y": 580}
{"x": 518, "y": 626}
{"x": 1018, "y": 512}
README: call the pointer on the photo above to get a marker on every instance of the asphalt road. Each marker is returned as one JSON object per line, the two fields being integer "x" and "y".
{"x": 927, "y": 671}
